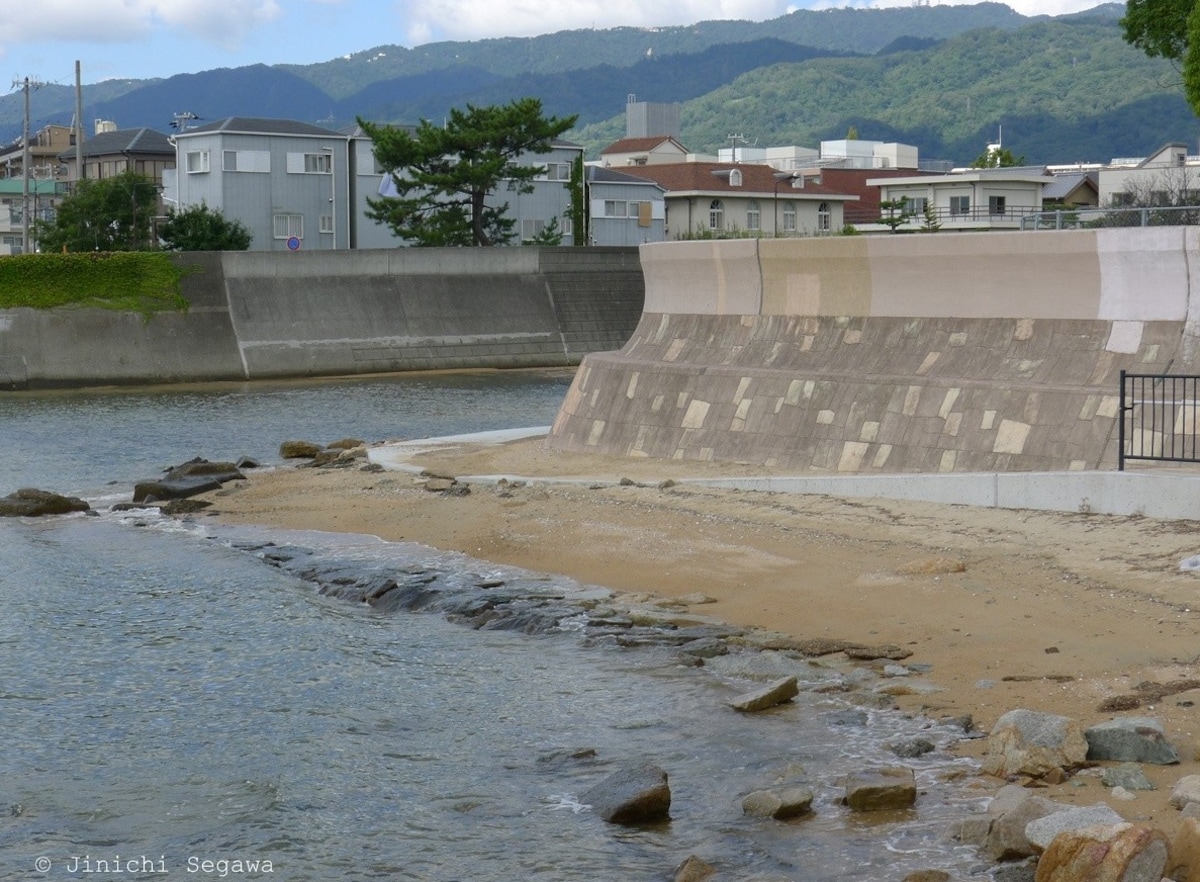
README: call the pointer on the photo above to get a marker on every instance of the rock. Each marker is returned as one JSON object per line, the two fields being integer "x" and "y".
{"x": 1042, "y": 831}
{"x": 1186, "y": 791}
{"x": 1025, "y": 742}
{"x": 32, "y": 503}
{"x": 1015, "y": 873}
{"x": 894, "y": 787}
{"x": 440, "y": 485}
{"x": 871, "y": 653}
{"x": 299, "y": 449}
{"x": 177, "y": 507}
{"x": 704, "y": 647}
{"x": 1015, "y": 808}
{"x": 635, "y": 795}
{"x": 247, "y": 462}
{"x": 928, "y": 876}
{"x": 770, "y": 695}
{"x": 693, "y": 869}
{"x": 1130, "y": 739}
{"x": 1127, "y": 775}
{"x": 781, "y": 804}
{"x": 1107, "y": 853}
{"x": 346, "y": 444}
{"x": 188, "y": 479}
{"x": 1185, "y": 852}
{"x": 848, "y": 717}
{"x": 911, "y": 749}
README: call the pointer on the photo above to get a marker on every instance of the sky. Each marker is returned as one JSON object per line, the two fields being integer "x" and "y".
{"x": 144, "y": 39}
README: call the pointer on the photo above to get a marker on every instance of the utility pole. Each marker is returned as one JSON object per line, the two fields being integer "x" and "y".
{"x": 26, "y": 84}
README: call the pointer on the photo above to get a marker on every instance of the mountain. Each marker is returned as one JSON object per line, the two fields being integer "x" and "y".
{"x": 948, "y": 79}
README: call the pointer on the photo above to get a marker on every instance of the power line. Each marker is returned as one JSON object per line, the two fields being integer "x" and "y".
{"x": 25, "y": 84}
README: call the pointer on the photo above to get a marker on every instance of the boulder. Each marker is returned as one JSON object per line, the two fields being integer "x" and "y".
{"x": 1013, "y": 809}
{"x": 299, "y": 449}
{"x": 1106, "y": 853}
{"x": 634, "y": 795}
{"x": 693, "y": 869}
{"x": 31, "y": 503}
{"x": 1127, "y": 775}
{"x": 1186, "y": 791}
{"x": 893, "y": 787}
{"x": 346, "y": 444}
{"x": 1185, "y": 852}
{"x": 1130, "y": 740}
{"x": 911, "y": 749}
{"x": 768, "y": 696}
{"x": 187, "y": 479}
{"x": 779, "y": 804}
{"x": 1025, "y": 742}
{"x": 1042, "y": 831}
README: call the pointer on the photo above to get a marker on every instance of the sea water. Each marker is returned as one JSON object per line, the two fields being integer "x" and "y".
{"x": 173, "y": 707}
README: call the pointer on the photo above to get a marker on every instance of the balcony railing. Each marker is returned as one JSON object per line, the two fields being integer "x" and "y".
{"x": 1126, "y": 216}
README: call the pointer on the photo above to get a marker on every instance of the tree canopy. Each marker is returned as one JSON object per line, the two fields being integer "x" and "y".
{"x": 1168, "y": 29}
{"x": 446, "y": 177}
{"x": 200, "y": 228}
{"x": 107, "y": 214}
{"x": 1001, "y": 157}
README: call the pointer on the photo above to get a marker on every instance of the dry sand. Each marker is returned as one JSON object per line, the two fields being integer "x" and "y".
{"x": 1013, "y": 609}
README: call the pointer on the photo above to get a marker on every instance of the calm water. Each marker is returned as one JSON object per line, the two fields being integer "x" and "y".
{"x": 169, "y": 699}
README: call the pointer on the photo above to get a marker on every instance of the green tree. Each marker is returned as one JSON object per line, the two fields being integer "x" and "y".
{"x": 579, "y": 209}
{"x": 1000, "y": 158}
{"x": 200, "y": 228}
{"x": 106, "y": 214}
{"x": 894, "y": 212}
{"x": 445, "y": 175}
{"x": 930, "y": 222}
{"x": 1158, "y": 27}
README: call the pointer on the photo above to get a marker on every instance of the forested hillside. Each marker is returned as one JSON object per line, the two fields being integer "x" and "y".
{"x": 948, "y": 79}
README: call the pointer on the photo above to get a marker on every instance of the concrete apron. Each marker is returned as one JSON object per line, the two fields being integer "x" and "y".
{"x": 1162, "y": 494}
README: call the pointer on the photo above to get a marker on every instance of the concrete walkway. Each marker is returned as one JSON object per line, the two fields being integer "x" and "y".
{"x": 1157, "y": 493}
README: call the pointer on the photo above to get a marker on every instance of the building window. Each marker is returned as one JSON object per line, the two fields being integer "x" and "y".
{"x": 246, "y": 161}
{"x": 753, "y": 216}
{"x": 996, "y": 205}
{"x": 558, "y": 171}
{"x": 197, "y": 162}
{"x": 716, "y": 215}
{"x": 309, "y": 163}
{"x": 616, "y": 208}
{"x": 915, "y": 205}
{"x": 823, "y": 217}
{"x": 735, "y": 177}
{"x": 789, "y": 217}
{"x": 531, "y": 228}
{"x": 325, "y": 224}
{"x": 960, "y": 205}
{"x": 289, "y": 225}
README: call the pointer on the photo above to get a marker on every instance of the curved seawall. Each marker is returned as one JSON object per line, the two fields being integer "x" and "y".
{"x": 258, "y": 315}
{"x": 907, "y": 353}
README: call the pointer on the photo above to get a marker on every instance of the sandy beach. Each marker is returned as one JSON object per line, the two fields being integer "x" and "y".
{"x": 1011, "y": 609}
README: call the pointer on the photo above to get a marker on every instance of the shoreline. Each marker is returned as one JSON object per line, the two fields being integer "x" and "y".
{"x": 1008, "y": 608}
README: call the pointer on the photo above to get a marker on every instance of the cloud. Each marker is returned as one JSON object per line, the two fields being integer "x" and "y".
{"x": 479, "y": 19}
{"x": 222, "y": 22}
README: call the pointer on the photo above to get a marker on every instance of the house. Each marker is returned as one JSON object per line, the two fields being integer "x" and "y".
{"x": 974, "y": 199}
{"x": 650, "y": 150}
{"x": 287, "y": 182}
{"x": 1166, "y": 177}
{"x": 44, "y": 150}
{"x": 113, "y": 151}
{"x": 624, "y": 209}
{"x": 1072, "y": 190}
{"x": 43, "y": 199}
{"x": 721, "y": 199}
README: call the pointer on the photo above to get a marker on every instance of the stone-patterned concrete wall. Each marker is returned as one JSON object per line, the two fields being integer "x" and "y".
{"x": 893, "y": 354}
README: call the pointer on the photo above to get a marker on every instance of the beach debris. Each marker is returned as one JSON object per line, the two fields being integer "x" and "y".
{"x": 1121, "y": 852}
{"x": 1147, "y": 692}
{"x": 768, "y": 696}
{"x": 1130, "y": 739}
{"x": 1025, "y": 742}
{"x": 779, "y": 804}
{"x": 29, "y": 502}
{"x": 191, "y": 478}
{"x": 872, "y": 790}
{"x": 633, "y": 795}
{"x": 693, "y": 869}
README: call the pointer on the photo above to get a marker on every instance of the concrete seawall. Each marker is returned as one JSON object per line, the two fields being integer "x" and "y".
{"x": 921, "y": 353}
{"x": 259, "y": 315}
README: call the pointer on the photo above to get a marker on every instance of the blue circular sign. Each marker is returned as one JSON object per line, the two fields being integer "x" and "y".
{"x": 293, "y": 244}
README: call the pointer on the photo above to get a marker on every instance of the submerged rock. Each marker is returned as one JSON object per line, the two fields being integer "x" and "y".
{"x": 894, "y": 787}
{"x": 31, "y": 503}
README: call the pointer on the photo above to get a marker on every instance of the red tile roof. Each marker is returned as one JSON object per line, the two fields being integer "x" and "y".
{"x": 713, "y": 177}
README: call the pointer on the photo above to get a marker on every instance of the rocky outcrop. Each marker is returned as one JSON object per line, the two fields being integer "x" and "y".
{"x": 1025, "y": 742}
{"x": 188, "y": 479}
{"x": 634, "y": 795}
{"x": 31, "y": 503}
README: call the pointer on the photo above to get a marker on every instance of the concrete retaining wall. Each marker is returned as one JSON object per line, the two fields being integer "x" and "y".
{"x": 257, "y": 315}
{"x": 916, "y": 353}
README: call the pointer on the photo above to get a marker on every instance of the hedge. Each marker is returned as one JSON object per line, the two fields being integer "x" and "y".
{"x": 126, "y": 281}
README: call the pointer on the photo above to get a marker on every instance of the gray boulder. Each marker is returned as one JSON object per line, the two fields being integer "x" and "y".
{"x": 31, "y": 503}
{"x": 1127, "y": 775}
{"x": 299, "y": 449}
{"x": 1042, "y": 831}
{"x": 634, "y": 795}
{"x": 1130, "y": 740}
{"x": 1012, "y": 810}
{"x": 1025, "y": 742}
{"x": 188, "y": 479}
{"x": 1186, "y": 792}
{"x": 768, "y": 696}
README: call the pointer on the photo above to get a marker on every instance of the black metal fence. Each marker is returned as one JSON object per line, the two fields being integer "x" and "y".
{"x": 1159, "y": 418}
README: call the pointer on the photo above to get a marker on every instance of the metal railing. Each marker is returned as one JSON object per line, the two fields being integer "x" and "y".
{"x": 1158, "y": 418}
{"x": 1091, "y": 218}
